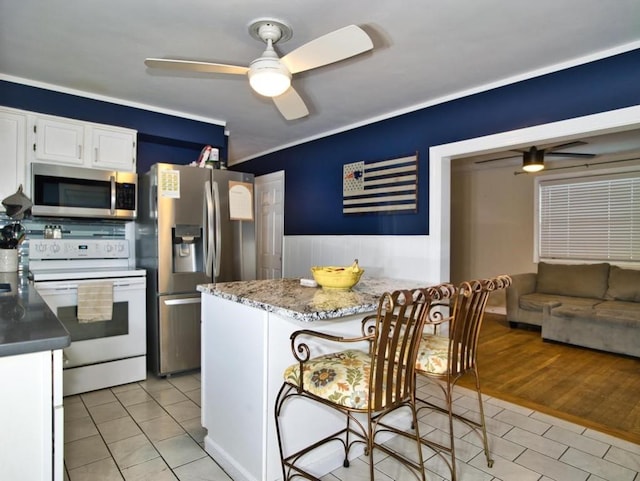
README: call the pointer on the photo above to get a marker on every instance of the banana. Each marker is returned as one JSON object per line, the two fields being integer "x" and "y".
{"x": 354, "y": 267}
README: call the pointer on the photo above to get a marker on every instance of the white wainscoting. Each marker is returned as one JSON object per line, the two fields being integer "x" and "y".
{"x": 397, "y": 257}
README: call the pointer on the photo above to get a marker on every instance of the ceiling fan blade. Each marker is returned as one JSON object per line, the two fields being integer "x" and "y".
{"x": 493, "y": 160}
{"x": 195, "y": 66}
{"x": 332, "y": 47}
{"x": 564, "y": 146}
{"x": 569, "y": 154}
{"x": 291, "y": 105}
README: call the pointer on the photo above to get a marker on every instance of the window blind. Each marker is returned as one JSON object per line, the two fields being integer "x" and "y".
{"x": 590, "y": 218}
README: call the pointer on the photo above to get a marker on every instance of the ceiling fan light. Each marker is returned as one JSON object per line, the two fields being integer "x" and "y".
{"x": 532, "y": 167}
{"x": 533, "y": 160}
{"x": 269, "y": 77}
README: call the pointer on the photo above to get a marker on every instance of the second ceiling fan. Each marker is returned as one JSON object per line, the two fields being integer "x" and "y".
{"x": 533, "y": 158}
{"x": 270, "y": 75}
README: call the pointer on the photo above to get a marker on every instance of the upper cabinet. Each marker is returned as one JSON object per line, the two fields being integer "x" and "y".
{"x": 113, "y": 148}
{"x": 12, "y": 151}
{"x": 27, "y": 137}
{"x": 57, "y": 140}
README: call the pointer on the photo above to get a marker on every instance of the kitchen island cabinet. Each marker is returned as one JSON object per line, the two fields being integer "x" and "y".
{"x": 245, "y": 349}
{"x": 31, "y": 411}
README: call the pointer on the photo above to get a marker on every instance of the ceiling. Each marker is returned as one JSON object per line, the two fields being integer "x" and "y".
{"x": 425, "y": 51}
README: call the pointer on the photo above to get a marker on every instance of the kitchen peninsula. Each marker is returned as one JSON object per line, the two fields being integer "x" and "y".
{"x": 245, "y": 349}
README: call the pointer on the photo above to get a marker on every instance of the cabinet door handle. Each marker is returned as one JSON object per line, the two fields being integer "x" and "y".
{"x": 96, "y": 156}
{"x": 80, "y": 151}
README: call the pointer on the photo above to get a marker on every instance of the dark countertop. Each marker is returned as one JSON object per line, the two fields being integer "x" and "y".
{"x": 26, "y": 322}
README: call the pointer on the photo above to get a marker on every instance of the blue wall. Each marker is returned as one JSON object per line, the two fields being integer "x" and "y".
{"x": 161, "y": 137}
{"x": 313, "y": 171}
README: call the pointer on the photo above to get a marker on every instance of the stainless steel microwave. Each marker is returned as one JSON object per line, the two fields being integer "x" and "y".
{"x": 62, "y": 191}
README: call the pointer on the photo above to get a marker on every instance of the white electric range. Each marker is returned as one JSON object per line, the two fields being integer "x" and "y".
{"x": 102, "y": 353}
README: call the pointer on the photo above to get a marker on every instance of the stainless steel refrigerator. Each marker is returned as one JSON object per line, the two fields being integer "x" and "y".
{"x": 194, "y": 226}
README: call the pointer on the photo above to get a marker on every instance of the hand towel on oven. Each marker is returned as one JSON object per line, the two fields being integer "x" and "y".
{"x": 95, "y": 301}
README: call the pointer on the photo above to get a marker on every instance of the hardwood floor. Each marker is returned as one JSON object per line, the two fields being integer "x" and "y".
{"x": 595, "y": 389}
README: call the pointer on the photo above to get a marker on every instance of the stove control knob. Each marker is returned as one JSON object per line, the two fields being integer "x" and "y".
{"x": 55, "y": 248}
{"x": 109, "y": 247}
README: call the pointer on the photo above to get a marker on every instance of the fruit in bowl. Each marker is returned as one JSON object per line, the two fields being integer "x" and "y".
{"x": 331, "y": 277}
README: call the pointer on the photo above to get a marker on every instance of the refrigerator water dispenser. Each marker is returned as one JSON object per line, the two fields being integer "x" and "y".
{"x": 187, "y": 249}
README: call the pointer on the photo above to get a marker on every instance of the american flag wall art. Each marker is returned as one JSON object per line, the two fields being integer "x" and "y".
{"x": 386, "y": 186}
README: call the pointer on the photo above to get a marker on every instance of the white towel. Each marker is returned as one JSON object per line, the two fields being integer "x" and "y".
{"x": 95, "y": 301}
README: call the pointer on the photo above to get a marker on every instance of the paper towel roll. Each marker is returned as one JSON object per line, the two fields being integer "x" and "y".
{"x": 8, "y": 260}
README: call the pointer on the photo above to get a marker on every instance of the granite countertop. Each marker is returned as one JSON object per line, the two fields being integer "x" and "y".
{"x": 26, "y": 322}
{"x": 286, "y": 297}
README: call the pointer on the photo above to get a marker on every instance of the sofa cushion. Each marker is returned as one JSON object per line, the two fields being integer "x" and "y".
{"x": 582, "y": 311}
{"x": 619, "y": 311}
{"x": 575, "y": 280}
{"x": 535, "y": 301}
{"x": 624, "y": 284}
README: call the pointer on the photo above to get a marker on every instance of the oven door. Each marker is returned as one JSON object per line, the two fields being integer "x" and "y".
{"x": 121, "y": 337}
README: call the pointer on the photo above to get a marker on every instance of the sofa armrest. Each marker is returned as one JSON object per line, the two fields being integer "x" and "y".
{"x": 520, "y": 284}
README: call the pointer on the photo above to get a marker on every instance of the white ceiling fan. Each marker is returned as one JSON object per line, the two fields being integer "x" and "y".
{"x": 270, "y": 75}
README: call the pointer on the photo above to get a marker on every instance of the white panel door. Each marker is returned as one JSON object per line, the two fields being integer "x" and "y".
{"x": 270, "y": 224}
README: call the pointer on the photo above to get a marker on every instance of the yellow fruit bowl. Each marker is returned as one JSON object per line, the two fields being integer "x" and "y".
{"x": 331, "y": 277}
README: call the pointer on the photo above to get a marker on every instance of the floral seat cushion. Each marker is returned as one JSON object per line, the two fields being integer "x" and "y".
{"x": 340, "y": 377}
{"x": 433, "y": 354}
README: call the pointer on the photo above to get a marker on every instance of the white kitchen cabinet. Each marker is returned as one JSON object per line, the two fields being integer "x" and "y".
{"x": 114, "y": 148}
{"x": 31, "y": 416}
{"x": 58, "y": 140}
{"x": 12, "y": 151}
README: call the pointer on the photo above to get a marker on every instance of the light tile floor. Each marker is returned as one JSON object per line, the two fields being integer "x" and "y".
{"x": 150, "y": 430}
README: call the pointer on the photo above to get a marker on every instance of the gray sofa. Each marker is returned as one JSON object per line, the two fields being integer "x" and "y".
{"x": 590, "y": 305}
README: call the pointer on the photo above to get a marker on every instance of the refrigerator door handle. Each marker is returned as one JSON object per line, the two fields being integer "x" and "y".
{"x": 209, "y": 230}
{"x": 218, "y": 252}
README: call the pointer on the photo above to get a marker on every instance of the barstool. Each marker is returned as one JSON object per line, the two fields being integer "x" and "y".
{"x": 364, "y": 385}
{"x": 444, "y": 360}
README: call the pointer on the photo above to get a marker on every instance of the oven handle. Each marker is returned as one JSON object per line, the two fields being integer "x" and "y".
{"x": 66, "y": 287}
{"x": 180, "y": 302}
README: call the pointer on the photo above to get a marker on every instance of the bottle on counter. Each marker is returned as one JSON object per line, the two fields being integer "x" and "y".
{"x": 23, "y": 263}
